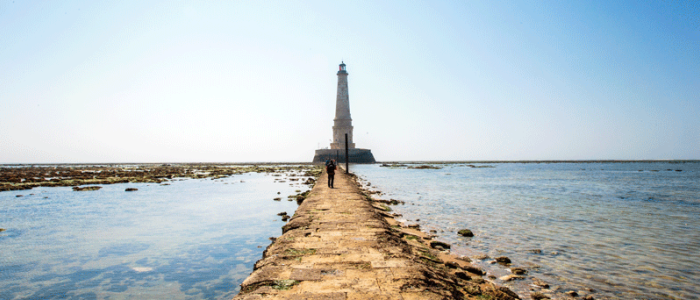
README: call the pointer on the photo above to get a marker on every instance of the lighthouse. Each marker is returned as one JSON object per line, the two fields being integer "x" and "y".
{"x": 342, "y": 125}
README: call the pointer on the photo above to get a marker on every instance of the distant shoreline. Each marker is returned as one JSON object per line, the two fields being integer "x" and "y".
{"x": 111, "y": 164}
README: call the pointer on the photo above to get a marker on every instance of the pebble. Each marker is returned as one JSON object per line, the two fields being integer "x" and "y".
{"x": 511, "y": 277}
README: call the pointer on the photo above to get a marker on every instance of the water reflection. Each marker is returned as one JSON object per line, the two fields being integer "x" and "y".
{"x": 193, "y": 239}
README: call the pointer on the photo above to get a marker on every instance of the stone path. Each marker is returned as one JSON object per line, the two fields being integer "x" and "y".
{"x": 342, "y": 245}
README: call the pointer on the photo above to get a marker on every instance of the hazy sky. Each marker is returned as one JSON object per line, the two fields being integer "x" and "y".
{"x": 234, "y": 81}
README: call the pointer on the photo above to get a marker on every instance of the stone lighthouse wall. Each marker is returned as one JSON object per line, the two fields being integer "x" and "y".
{"x": 342, "y": 123}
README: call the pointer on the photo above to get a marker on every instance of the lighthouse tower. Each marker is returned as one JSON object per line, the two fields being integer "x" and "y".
{"x": 342, "y": 125}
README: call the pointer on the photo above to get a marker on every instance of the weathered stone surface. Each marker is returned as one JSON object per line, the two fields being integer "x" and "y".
{"x": 511, "y": 277}
{"x": 439, "y": 245}
{"x": 86, "y": 188}
{"x": 502, "y": 260}
{"x": 466, "y": 233}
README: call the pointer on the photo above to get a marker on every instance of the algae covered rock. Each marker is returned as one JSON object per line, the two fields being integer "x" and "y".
{"x": 465, "y": 233}
{"x": 503, "y": 260}
{"x": 439, "y": 245}
{"x": 86, "y": 188}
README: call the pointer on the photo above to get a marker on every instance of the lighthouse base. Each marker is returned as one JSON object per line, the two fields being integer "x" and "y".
{"x": 356, "y": 156}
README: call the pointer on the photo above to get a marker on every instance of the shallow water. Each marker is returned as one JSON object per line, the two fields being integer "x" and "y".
{"x": 192, "y": 239}
{"x": 625, "y": 230}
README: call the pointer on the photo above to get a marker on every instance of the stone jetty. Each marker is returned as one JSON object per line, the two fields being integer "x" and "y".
{"x": 341, "y": 244}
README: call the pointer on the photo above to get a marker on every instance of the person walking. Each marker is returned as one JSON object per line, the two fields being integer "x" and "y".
{"x": 330, "y": 169}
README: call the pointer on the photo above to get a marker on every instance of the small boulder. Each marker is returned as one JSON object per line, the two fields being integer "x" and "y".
{"x": 86, "y": 188}
{"x": 518, "y": 271}
{"x": 464, "y": 258}
{"x": 540, "y": 283}
{"x": 571, "y": 293}
{"x": 451, "y": 265}
{"x": 284, "y": 213}
{"x": 277, "y": 199}
{"x": 465, "y": 233}
{"x": 438, "y": 244}
{"x": 503, "y": 260}
{"x": 511, "y": 277}
{"x": 473, "y": 269}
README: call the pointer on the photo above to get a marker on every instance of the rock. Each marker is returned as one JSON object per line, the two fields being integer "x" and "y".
{"x": 277, "y": 199}
{"x": 436, "y": 244}
{"x": 131, "y": 189}
{"x": 588, "y": 297}
{"x": 19, "y": 196}
{"x": 86, "y": 188}
{"x": 425, "y": 167}
{"x": 511, "y": 277}
{"x": 571, "y": 293}
{"x": 466, "y": 233}
{"x": 451, "y": 265}
{"x": 518, "y": 271}
{"x": 2, "y": 229}
{"x": 481, "y": 257}
{"x": 538, "y": 296}
{"x": 464, "y": 258}
{"x": 473, "y": 269}
{"x": 503, "y": 260}
{"x": 540, "y": 283}
{"x": 535, "y": 251}
{"x": 462, "y": 275}
{"x": 278, "y": 193}
{"x": 433, "y": 231}
{"x": 413, "y": 226}
{"x": 478, "y": 280}
{"x": 285, "y": 218}
{"x": 273, "y": 238}
{"x": 284, "y": 213}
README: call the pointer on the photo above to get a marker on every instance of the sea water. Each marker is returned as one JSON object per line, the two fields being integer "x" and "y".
{"x": 192, "y": 239}
{"x": 620, "y": 230}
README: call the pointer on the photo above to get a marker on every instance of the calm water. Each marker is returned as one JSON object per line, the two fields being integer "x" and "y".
{"x": 193, "y": 239}
{"x": 623, "y": 232}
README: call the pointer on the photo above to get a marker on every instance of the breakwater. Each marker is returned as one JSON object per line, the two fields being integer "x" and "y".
{"x": 341, "y": 244}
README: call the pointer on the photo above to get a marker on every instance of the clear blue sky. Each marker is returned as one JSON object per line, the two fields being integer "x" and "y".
{"x": 232, "y": 81}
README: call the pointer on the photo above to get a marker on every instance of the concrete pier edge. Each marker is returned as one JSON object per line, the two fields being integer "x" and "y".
{"x": 342, "y": 244}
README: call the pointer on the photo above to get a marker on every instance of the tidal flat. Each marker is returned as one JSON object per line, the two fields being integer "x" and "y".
{"x": 184, "y": 231}
{"x": 613, "y": 230}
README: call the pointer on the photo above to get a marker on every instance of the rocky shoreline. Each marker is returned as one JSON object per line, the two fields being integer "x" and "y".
{"x": 535, "y": 288}
{"x": 26, "y": 177}
{"x": 342, "y": 244}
